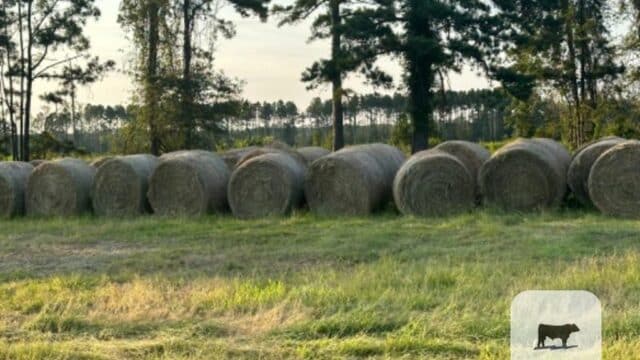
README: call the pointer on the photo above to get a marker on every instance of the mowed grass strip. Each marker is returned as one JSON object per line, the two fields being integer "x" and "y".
{"x": 303, "y": 287}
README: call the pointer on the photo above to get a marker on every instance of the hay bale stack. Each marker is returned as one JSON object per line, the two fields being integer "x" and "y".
{"x": 353, "y": 181}
{"x": 60, "y": 188}
{"x": 614, "y": 181}
{"x": 97, "y": 163}
{"x": 232, "y": 157}
{"x": 583, "y": 160}
{"x": 13, "y": 181}
{"x": 271, "y": 184}
{"x": 434, "y": 183}
{"x": 525, "y": 174}
{"x": 189, "y": 183}
{"x": 120, "y": 186}
{"x": 312, "y": 153}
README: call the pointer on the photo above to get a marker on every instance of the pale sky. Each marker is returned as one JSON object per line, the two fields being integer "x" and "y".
{"x": 269, "y": 59}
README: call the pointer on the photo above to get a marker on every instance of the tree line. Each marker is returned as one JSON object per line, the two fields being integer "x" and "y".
{"x": 560, "y": 70}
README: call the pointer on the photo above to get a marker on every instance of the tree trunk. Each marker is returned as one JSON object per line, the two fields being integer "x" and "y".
{"x": 187, "y": 88}
{"x": 30, "y": 79}
{"x": 10, "y": 102}
{"x": 73, "y": 115}
{"x": 152, "y": 74}
{"x": 420, "y": 73}
{"x": 336, "y": 81}
{"x": 22, "y": 80}
{"x": 573, "y": 79}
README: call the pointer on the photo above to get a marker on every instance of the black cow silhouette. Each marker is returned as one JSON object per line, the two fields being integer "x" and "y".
{"x": 555, "y": 332}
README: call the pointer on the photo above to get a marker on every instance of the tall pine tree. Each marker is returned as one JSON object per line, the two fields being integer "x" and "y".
{"x": 432, "y": 37}
{"x": 334, "y": 20}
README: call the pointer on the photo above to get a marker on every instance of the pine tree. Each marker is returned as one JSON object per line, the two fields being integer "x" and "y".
{"x": 432, "y": 37}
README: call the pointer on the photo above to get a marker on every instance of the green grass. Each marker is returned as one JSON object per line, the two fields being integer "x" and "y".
{"x": 304, "y": 287}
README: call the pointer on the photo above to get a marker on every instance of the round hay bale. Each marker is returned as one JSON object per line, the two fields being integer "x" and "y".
{"x": 189, "y": 183}
{"x": 353, "y": 181}
{"x": 312, "y": 153}
{"x": 37, "y": 162}
{"x": 60, "y": 188}
{"x": 232, "y": 156}
{"x": 614, "y": 181}
{"x": 578, "y": 173}
{"x": 434, "y": 183}
{"x": 13, "y": 182}
{"x": 97, "y": 163}
{"x": 120, "y": 186}
{"x": 271, "y": 184}
{"x": 525, "y": 174}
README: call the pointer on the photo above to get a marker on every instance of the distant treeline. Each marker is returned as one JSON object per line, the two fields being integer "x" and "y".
{"x": 477, "y": 115}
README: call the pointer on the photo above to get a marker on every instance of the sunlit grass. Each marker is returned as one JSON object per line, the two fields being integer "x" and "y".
{"x": 303, "y": 287}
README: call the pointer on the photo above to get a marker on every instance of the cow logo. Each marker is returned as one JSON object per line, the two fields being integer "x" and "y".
{"x": 555, "y": 332}
{"x": 556, "y": 325}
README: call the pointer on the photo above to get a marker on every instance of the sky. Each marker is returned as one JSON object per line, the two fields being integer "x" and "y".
{"x": 268, "y": 58}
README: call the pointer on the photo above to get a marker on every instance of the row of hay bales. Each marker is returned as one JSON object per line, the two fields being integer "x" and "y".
{"x": 186, "y": 183}
{"x": 454, "y": 177}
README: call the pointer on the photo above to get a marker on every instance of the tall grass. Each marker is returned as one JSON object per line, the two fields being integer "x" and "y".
{"x": 303, "y": 287}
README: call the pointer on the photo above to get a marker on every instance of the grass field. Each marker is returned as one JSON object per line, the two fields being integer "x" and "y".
{"x": 304, "y": 287}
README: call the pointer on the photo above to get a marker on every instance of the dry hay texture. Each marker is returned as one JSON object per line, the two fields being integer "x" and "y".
{"x": 60, "y": 188}
{"x": 231, "y": 157}
{"x": 471, "y": 154}
{"x": 353, "y": 181}
{"x": 589, "y": 143}
{"x": 441, "y": 181}
{"x": 271, "y": 150}
{"x": 121, "y": 184}
{"x": 581, "y": 163}
{"x": 37, "y": 162}
{"x": 270, "y": 184}
{"x": 13, "y": 181}
{"x": 97, "y": 163}
{"x": 614, "y": 181}
{"x": 526, "y": 174}
{"x": 312, "y": 153}
{"x": 189, "y": 183}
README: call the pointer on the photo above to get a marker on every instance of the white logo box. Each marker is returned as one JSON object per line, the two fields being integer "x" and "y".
{"x": 529, "y": 309}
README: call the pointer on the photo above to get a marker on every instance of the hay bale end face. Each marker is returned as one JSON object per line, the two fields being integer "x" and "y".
{"x": 312, "y": 153}
{"x": 13, "y": 181}
{"x": 526, "y": 174}
{"x": 270, "y": 184}
{"x": 583, "y": 160}
{"x": 614, "y": 181}
{"x": 434, "y": 183}
{"x": 189, "y": 183}
{"x": 353, "y": 181}
{"x": 121, "y": 184}
{"x": 60, "y": 188}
